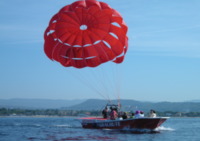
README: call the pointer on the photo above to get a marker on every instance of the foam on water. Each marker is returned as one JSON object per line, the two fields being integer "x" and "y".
{"x": 157, "y": 130}
{"x": 162, "y": 128}
{"x": 63, "y": 125}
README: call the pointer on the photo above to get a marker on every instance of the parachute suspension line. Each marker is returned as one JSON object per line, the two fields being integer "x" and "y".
{"x": 108, "y": 77}
{"x": 95, "y": 84}
{"x": 101, "y": 77}
{"x": 113, "y": 81}
{"x": 118, "y": 83}
{"x": 86, "y": 80}
{"x": 105, "y": 81}
{"x": 114, "y": 76}
{"x": 99, "y": 81}
{"x": 106, "y": 73}
{"x": 105, "y": 77}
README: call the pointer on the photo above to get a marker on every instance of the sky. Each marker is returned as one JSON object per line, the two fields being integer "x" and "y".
{"x": 162, "y": 62}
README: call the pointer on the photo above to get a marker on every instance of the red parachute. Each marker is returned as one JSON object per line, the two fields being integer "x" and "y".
{"x": 86, "y": 33}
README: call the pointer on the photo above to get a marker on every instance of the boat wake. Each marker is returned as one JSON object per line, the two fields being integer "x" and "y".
{"x": 63, "y": 125}
{"x": 132, "y": 131}
{"x": 162, "y": 128}
{"x": 141, "y": 131}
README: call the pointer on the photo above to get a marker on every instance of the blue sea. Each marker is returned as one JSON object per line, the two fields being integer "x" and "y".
{"x": 64, "y": 129}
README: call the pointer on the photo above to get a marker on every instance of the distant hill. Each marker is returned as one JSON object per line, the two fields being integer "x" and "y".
{"x": 194, "y": 101}
{"x": 98, "y": 104}
{"x": 37, "y": 103}
{"x": 131, "y": 105}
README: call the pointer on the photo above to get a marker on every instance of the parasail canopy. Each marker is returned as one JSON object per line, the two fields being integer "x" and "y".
{"x": 86, "y": 33}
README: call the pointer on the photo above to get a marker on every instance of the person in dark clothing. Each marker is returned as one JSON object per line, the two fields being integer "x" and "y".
{"x": 105, "y": 112}
{"x": 124, "y": 116}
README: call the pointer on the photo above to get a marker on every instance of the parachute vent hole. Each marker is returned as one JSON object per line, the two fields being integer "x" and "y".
{"x": 67, "y": 44}
{"x": 77, "y": 58}
{"x": 50, "y": 32}
{"x": 107, "y": 44}
{"x": 83, "y": 27}
{"x": 87, "y": 45}
{"x": 114, "y": 35}
{"x": 65, "y": 56}
{"x": 97, "y": 42}
{"x": 54, "y": 21}
{"x": 60, "y": 41}
{"x": 76, "y": 46}
{"x": 90, "y": 57}
{"x": 122, "y": 54}
{"x": 116, "y": 24}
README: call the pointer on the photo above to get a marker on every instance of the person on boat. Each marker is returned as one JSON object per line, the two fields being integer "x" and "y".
{"x": 139, "y": 114}
{"x": 152, "y": 113}
{"x": 113, "y": 114}
{"x": 124, "y": 116}
{"x": 120, "y": 114}
{"x": 105, "y": 113}
{"x": 132, "y": 115}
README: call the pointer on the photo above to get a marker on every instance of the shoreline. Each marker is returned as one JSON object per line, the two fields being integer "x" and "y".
{"x": 36, "y": 116}
{"x": 46, "y": 116}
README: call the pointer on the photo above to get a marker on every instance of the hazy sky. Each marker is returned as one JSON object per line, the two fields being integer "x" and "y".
{"x": 162, "y": 62}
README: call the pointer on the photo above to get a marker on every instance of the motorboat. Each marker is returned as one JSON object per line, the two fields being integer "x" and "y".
{"x": 144, "y": 123}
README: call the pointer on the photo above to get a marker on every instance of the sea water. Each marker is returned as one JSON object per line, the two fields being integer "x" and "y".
{"x": 63, "y": 129}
